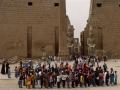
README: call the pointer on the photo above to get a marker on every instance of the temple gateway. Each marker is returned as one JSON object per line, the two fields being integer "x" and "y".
{"x": 32, "y": 28}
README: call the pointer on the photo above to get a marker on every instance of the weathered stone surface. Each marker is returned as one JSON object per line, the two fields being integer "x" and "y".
{"x": 105, "y": 20}
{"x": 49, "y": 27}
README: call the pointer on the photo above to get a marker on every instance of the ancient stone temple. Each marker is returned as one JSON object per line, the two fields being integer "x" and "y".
{"x": 105, "y": 22}
{"x": 70, "y": 37}
{"x": 32, "y": 28}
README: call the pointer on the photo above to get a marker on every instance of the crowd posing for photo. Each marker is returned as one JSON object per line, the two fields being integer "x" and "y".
{"x": 84, "y": 72}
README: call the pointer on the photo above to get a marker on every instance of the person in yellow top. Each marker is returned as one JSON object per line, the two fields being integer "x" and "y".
{"x": 33, "y": 80}
{"x": 81, "y": 80}
{"x": 28, "y": 81}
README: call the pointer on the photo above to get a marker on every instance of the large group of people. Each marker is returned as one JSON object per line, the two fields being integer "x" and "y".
{"x": 82, "y": 72}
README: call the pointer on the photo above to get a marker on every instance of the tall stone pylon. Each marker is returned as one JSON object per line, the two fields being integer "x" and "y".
{"x": 63, "y": 49}
{"x": 46, "y": 18}
{"x": 104, "y": 17}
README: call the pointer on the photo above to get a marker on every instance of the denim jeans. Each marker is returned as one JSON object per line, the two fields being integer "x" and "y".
{"x": 20, "y": 83}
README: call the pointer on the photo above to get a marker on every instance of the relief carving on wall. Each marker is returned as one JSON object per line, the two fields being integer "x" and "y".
{"x": 11, "y": 45}
{"x": 39, "y": 45}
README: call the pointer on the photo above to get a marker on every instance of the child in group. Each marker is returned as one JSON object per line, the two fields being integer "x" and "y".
{"x": 20, "y": 81}
{"x": 112, "y": 76}
{"x": 115, "y": 77}
{"x": 16, "y": 72}
{"x": 9, "y": 72}
{"x": 81, "y": 80}
{"x": 28, "y": 82}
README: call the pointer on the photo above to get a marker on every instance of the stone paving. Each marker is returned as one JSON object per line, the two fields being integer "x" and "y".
{"x": 11, "y": 84}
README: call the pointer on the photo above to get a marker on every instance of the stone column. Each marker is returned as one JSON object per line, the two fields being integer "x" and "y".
{"x": 63, "y": 50}
{"x": 29, "y": 42}
{"x": 91, "y": 42}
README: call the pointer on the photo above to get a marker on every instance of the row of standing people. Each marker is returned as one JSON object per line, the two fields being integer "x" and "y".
{"x": 81, "y": 74}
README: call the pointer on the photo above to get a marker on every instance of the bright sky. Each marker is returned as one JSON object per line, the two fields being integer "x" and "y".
{"x": 78, "y": 12}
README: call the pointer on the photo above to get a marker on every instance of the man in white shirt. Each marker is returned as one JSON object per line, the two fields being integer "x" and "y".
{"x": 58, "y": 80}
{"x": 64, "y": 76}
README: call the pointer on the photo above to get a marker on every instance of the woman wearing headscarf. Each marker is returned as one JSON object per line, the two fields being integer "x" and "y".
{"x": 3, "y": 68}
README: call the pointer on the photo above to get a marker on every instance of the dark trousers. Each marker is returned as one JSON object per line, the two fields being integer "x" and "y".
{"x": 73, "y": 84}
{"x": 106, "y": 82}
{"x": 20, "y": 83}
{"x": 33, "y": 84}
{"x": 24, "y": 82}
{"x": 58, "y": 84}
{"x": 63, "y": 83}
{"x": 41, "y": 83}
{"x": 97, "y": 82}
{"x": 68, "y": 84}
{"x": 50, "y": 84}
{"x": 76, "y": 83}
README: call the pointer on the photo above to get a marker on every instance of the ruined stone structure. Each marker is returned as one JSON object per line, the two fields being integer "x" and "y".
{"x": 105, "y": 20}
{"x": 31, "y": 28}
{"x": 76, "y": 46}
